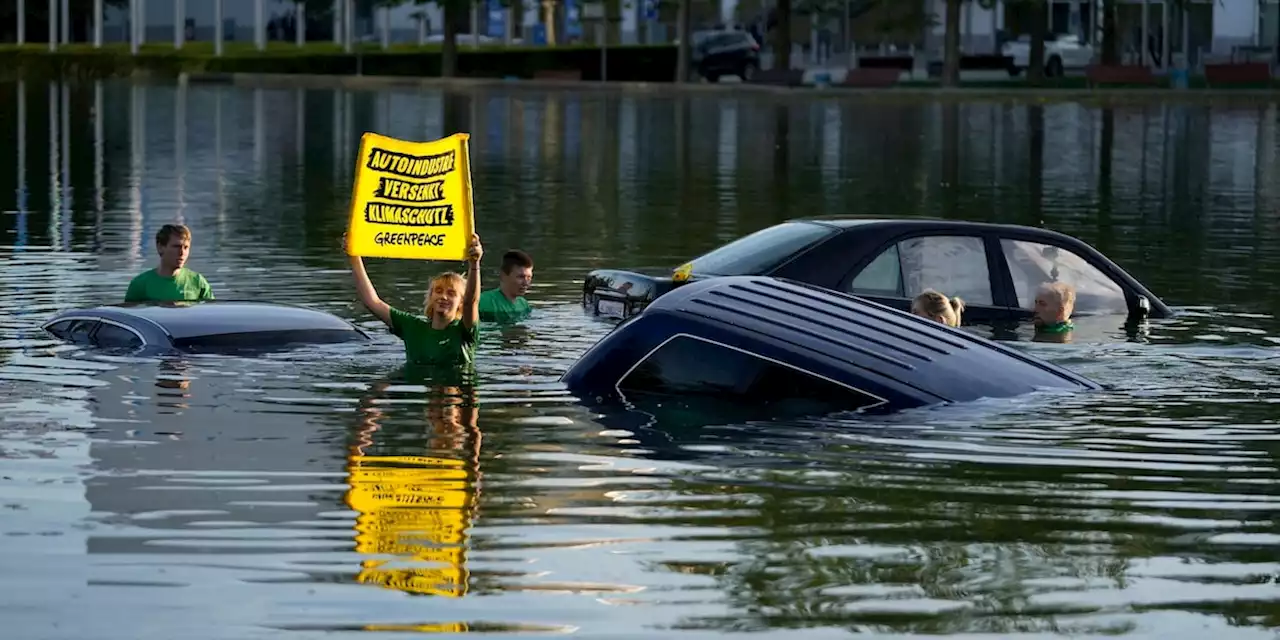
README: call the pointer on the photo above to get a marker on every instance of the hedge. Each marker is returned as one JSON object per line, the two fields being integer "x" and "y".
{"x": 633, "y": 63}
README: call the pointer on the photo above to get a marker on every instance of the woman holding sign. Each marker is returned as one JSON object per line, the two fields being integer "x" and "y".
{"x": 447, "y": 332}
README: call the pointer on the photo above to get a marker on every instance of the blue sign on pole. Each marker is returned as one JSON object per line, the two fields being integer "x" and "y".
{"x": 572, "y": 21}
{"x": 497, "y": 20}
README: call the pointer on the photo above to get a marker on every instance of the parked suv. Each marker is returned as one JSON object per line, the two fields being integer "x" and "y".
{"x": 725, "y": 53}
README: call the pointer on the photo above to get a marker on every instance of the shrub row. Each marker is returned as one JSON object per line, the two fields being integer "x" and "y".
{"x": 645, "y": 63}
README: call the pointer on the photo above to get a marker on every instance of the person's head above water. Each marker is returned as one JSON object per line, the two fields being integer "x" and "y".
{"x": 1054, "y": 303}
{"x": 937, "y": 307}
{"x": 444, "y": 296}
{"x": 517, "y": 273}
{"x": 173, "y": 243}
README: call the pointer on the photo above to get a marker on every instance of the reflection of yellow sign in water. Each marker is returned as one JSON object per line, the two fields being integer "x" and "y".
{"x": 411, "y": 199}
{"x": 415, "y": 510}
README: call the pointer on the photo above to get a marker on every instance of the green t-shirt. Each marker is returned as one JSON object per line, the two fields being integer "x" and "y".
{"x": 424, "y": 344}
{"x": 183, "y": 285}
{"x": 495, "y": 307}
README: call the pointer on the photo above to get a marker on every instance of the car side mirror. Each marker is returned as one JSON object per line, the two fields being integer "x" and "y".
{"x": 1144, "y": 307}
{"x": 1135, "y": 325}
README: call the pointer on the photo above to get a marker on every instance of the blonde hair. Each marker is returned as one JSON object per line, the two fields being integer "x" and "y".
{"x": 449, "y": 277}
{"x": 1065, "y": 293}
{"x": 935, "y": 306}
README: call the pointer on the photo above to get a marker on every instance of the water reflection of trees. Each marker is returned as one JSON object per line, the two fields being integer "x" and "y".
{"x": 842, "y": 551}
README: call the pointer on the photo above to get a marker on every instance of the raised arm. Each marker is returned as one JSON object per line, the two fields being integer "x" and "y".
{"x": 364, "y": 289}
{"x": 471, "y": 296}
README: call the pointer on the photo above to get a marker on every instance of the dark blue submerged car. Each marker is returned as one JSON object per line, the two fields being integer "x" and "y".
{"x": 995, "y": 268}
{"x": 212, "y": 326}
{"x": 766, "y": 341}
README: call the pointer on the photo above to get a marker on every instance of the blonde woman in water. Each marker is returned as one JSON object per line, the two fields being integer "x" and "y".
{"x": 937, "y": 307}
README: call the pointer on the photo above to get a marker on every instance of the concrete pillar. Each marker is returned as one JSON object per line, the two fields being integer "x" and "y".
{"x": 337, "y": 21}
{"x": 22, "y": 22}
{"x": 64, "y": 17}
{"x": 179, "y": 23}
{"x": 259, "y": 25}
{"x": 475, "y": 25}
{"x": 53, "y": 25}
{"x": 348, "y": 24}
{"x": 97, "y": 24}
{"x": 300, "y": 23}
{"x": 133, "y": 27}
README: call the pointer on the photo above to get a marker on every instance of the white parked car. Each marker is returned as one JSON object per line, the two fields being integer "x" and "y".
{"x": 1064, "y": 51}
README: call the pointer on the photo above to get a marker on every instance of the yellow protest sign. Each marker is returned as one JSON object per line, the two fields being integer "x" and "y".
{"x": 411, "y": 199}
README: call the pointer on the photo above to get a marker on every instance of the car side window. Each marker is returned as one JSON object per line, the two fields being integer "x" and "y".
{"x": 691, "y": 366}
{"x": 882, "y": 276}
{"x": 952, "y": 265}
{"x": 1032, "y": 264}
{"x": 110, "y": 336}
{"x": 59, "y": 329}
{"x": 73, "y": 330}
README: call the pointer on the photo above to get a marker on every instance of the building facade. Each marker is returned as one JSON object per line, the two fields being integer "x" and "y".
{"x": 1203, "y": 29}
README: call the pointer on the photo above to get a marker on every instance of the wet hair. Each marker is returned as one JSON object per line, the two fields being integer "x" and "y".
{"x": 936, "y": 306}
{"x": 167, "y": 233}
{"x": 450, "y": 277}
{"x": 516, "y": 258}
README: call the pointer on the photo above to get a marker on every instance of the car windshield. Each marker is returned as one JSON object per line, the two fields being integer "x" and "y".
{"x": 761, "y": 251}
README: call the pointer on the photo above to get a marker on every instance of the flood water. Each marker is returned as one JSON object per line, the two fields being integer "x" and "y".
{"x": 319, "y": 493}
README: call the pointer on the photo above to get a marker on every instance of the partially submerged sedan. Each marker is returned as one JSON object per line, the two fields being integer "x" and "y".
{"x": 212, "y": 326}
{"x": 800, "y": 349}
{"x": 995, "y": 268}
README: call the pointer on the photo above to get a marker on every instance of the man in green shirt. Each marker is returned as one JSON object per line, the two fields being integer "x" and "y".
{"x": 1054, "y": 303}
{"x": 506, "y": 303}
{"x": 171, "y": 281}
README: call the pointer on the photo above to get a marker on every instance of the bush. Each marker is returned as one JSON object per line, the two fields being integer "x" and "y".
{"x": 634, "y": 63}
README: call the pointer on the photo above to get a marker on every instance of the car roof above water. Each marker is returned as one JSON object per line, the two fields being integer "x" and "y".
{"x": 221, "y": 317}
{"x": 840, "y": 331}
{"x": 847, "y": 221}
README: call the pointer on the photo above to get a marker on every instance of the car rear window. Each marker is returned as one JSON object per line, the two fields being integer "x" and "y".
{"x": 761, "y": 251}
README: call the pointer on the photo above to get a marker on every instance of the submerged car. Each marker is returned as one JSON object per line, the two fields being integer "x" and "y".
{"x": 800, "y": 348}
{"x": 201, "y": 327}
{"x": 995, "y": 268}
